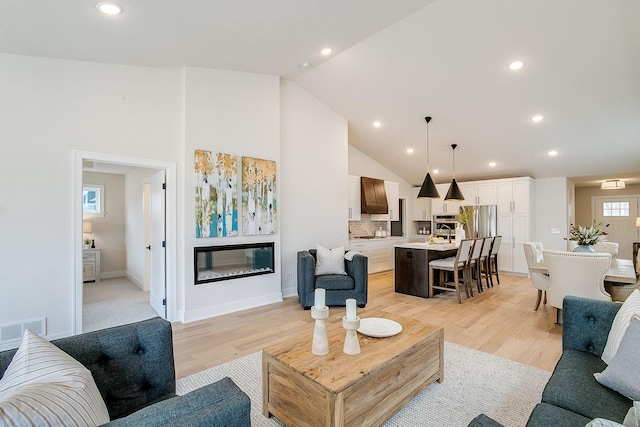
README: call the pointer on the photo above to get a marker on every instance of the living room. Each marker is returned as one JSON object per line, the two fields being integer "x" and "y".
{"x": 60, "y": 110}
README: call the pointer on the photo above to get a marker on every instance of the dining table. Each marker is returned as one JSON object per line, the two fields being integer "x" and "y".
{"x": 620, "y": 271}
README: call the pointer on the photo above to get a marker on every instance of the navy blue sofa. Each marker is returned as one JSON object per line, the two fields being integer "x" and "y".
{"x": 339, "y": 287}
{"x": 133, "y": 368}
{"x": 573, "y": 397}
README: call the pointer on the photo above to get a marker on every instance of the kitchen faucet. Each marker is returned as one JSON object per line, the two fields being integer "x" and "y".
{"x": 449, "y": 230}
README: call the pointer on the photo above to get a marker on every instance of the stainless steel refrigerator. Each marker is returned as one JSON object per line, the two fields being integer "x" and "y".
{"x": 483, "y": 221}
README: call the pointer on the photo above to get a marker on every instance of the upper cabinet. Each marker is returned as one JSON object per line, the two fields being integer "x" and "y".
{"x": 420, "y": 208}
{"x": 439, "y": 206}
{"x": 354, "y": 198}
{"x": 393, "y": 202}
{"x": 479, "y": 193}
{"x": 514, "y": 195}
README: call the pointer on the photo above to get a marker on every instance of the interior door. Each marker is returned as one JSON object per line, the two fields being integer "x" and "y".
{"x": 157, "y": 269}
{"x": 620, "y": 213}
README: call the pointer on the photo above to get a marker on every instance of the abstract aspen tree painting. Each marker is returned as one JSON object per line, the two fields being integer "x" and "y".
{"x": 258, "y": 196}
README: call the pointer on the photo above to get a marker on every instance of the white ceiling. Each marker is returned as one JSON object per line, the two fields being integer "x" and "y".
{"x": 397, "y": 62}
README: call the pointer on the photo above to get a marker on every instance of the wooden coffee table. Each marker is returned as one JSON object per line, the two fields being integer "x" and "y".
{"x": 337, "y": 389}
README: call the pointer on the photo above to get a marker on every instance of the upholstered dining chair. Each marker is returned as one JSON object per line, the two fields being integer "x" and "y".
{"x": 456, "y": 265}
{"x": 540, "y": 281}
{"x": 575, "y": 273}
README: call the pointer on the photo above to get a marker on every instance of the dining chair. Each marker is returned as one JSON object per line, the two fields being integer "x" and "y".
{"x": 484, "y": 260}
{"x": 576, "y": 273}
{"x": 540, "y": 281}
{"x": 493, "y": 259}
{"x": 474, "y": 263}
{"x": 456, "y": 265}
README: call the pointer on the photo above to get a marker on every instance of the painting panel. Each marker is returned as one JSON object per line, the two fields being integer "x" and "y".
{"x": 259, "y": 205}
{"x": 216, "y": 194}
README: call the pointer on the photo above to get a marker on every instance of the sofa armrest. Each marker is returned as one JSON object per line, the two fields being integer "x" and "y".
{"x": 306, "y": 272}
{"x": 221, "y": 404}
{"x": 357, "y": 268}
{"x": 586, "y": 323}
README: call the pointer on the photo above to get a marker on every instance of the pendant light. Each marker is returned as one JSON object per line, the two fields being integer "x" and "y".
{"x": 428, "y": 189}
{"x": 454, "y": 194}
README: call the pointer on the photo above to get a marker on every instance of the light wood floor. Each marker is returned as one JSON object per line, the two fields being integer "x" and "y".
{"x": 499, "y": 321}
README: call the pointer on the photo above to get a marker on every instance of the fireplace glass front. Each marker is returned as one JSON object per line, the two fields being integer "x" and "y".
{"x": 215, "y": 263}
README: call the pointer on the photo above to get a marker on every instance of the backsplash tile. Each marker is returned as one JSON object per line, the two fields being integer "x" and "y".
{"x": 366, "y": 227}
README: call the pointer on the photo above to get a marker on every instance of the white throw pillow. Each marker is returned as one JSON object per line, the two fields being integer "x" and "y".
{"x": 44, "y": 386}
{"x": 629, "y": 309}
{"x": 329, "y": 261}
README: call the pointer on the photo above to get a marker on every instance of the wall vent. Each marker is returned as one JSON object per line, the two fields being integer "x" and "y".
{"x": 14, "y": 331}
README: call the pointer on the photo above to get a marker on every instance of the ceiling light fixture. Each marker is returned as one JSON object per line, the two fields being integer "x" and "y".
{"x": 109, "y": 8}
{"x": 409, "y": 150}
{"x": 435, "y": 171}
{"x": 516, "y": 65}
{"x": 492, "y": 164}
{"x": 304, "y": 65}
{"x": 552, "y": 153}
{"x": 612, "y": 184}
{"x": 428, "y": 189}
{"x": 377, "y": 124}
{"x": 454, "y": 194}
{"x": 537, "y": 118}
{"x": 326, "y": 51}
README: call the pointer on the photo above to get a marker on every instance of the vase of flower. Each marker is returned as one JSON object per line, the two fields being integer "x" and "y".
{"x": 586, "y": 237}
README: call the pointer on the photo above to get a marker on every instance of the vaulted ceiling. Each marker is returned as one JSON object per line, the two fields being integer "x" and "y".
{"x": 396, "y": 62}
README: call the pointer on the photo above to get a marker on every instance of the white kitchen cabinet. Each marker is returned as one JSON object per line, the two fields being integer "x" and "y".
{"x": 379, "y": 252}
{"x": 514, "y": 222}
{"x": 354, "y": 198}
{"x": 392, "y": 189}
{"x": 479, "y": 193}
{"x": 439, "y": 206}
{"x": 420, "y": 208}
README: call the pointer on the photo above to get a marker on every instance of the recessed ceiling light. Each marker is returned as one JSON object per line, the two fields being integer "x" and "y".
{"x": 109, "y": 8}
{"x": 326, "y": 51}
{"x": 304, "y": 65}
{"x": 516, "y": 65}
{"x": 492, "y": 164}
{"x": 436, "y": 171}
{"x": 377, "y": 124}
{"x": 409, "y": 150}
{"x": 537, "y": 118}
{"x": 552, "y": 153}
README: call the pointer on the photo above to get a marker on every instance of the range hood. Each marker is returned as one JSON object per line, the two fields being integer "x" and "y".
{"x": 373, "y": 196}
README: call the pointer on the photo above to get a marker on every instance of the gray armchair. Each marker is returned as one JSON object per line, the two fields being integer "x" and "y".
{"x": 338, "y": 287}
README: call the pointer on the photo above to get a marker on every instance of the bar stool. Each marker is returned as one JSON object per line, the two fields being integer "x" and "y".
{"x": 474, "y": 263}
{"x": 456, "y": 265}
{"x": 493, "y": 259}
{"x": 484, "y": 261}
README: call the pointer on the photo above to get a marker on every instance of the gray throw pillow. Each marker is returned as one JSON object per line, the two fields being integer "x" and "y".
{"x": 622, "y": 374}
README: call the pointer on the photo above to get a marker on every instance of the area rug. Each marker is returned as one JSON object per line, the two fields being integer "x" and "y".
{"x": 474, "y": 383}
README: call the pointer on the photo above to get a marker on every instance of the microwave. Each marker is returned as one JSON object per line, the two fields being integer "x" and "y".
{"x": 445, "y": 225}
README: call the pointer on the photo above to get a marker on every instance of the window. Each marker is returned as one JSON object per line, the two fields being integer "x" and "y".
{"x": 93, "y": 199}
{"x": 615, "y": 209}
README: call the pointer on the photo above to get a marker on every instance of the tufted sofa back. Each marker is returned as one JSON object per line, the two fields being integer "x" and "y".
{"x": 132, "y": 365}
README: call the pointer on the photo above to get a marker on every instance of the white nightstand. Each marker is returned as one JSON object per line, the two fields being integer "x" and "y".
{"x": 91, "y": 265}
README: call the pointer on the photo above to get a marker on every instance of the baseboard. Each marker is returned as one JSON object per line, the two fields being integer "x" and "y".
{"x": 112, "y": 274}
{"x": 136, "y": 281}
{"x": 290, "y": 292}
{"x": 218, "y": 310}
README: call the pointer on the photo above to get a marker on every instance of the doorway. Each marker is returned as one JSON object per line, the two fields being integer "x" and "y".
{"x": 162, "y": 212}
{"x": 618, "y": 215}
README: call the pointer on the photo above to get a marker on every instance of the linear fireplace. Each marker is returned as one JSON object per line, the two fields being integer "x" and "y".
{"x": 215, "y": 263}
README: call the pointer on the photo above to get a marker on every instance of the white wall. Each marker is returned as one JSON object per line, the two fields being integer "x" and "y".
{"x": 550, "y": 212}
{"x": 49, "y": 108}
{"x": 362, "y": 165}
{"x": 235, "y": 113}
{"x": 314, "y": 184}
{"x": 109, "y": 230}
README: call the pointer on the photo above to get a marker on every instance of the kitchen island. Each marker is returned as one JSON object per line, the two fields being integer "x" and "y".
{"x": 412, "y": 265}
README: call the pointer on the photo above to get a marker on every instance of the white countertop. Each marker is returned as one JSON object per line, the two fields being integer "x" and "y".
{"x": 426, "y": 246}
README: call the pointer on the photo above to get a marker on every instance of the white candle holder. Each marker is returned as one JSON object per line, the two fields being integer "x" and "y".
{"x": 351, "y": 342}
{"x": 320, "y": 345}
